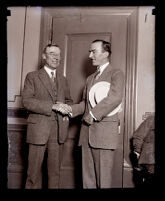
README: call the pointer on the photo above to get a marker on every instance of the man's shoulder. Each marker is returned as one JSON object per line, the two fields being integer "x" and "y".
{"x": 150, "y": 121}
{"x": 61, "y": 76}
{"x": 116, "y": 73}
{"x": 35, "y": 72}
{"x": 115, "y": 70}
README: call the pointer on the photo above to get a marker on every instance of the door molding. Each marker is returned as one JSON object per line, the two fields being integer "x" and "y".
{"x": 131, "y": 91}
{"x": 131, "y": 54}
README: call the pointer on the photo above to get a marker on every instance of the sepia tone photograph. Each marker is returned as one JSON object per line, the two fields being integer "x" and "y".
{"x": 80, "y": 97}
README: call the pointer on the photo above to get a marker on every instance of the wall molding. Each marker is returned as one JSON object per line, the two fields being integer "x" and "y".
{"x": 16, "y": 127}
{"x": 17, "y": 113}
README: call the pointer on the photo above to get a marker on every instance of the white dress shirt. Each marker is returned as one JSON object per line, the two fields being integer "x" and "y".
{"x": 48, "y": 70}
{"x": 102, "y": 68}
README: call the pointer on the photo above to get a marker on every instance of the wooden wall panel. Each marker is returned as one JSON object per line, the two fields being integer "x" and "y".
{"x": 17, "y": 156}
{"x": 23, "y": 38}
{"x": 15, "y": 46}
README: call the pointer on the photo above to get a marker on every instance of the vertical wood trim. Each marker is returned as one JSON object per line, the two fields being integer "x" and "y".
{"x": 23, "y": 51}
{"x": 130, "y": 96}
{"x": 130, "y": 93}
{"x": 45, "y": 32}
{"x": 65, "y": 57}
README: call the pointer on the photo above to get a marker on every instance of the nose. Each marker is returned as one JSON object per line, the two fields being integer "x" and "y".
{"x": 56, "y": 58}
{"x": 90, "y": 54}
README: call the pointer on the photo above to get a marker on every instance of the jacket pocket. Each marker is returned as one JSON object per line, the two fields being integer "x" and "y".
{"x": 111, "y": 118}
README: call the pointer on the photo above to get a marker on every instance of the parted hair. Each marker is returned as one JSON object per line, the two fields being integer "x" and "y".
{"x": 50, "y": 45}
{"x": 105, "y": 45}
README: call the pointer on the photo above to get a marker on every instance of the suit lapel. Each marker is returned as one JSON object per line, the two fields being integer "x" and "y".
{"x": 44, "y": 77}
{"x": 105, "y": 73}
{"x": 59, "y": 85}
{"x": 90, "y": 84}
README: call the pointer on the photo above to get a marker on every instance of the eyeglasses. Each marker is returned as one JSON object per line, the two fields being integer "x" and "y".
{"x": 53, "y": 55}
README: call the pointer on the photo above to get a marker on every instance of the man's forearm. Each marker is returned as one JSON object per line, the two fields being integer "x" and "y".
{"x": 78, "y": 109}
{"x": 38, "y": 106}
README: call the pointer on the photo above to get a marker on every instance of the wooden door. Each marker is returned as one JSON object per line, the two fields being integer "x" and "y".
{"x": 74, "y": 29}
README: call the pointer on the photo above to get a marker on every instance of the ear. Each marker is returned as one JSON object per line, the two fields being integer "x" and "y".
{"x": 106, "y": 54}
{"x": 43, "y": 56}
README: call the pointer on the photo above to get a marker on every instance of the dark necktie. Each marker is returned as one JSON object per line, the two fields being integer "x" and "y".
{"x": 97, "y": 75}
{"x": 52, "y": 77}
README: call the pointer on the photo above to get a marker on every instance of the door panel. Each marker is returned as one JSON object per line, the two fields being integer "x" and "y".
{"x": 74, "y": 34}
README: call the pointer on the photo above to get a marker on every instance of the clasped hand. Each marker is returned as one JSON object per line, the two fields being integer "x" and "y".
{"x": 62, "y": 108}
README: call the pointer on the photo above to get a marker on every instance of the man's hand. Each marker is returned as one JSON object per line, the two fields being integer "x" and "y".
{"x": 88, "y": 119}
{"x": 62, "y": 108}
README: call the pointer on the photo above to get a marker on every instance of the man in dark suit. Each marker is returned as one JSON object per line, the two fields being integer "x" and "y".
{"x": 99, "y": 131}
{"x": 144, "y": 148}
{"x": 44, "y": 91}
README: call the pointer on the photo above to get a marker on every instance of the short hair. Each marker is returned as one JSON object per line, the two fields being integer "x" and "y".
{"x": 105, "y": 45}
{"x": 50, "y": 45}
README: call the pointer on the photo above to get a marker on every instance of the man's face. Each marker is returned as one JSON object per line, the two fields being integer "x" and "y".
{"x": 52, "y": 57}
{"x": 97, "y": 55}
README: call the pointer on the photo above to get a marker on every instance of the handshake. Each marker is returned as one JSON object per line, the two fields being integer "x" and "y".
{"x": 62, "y": 108}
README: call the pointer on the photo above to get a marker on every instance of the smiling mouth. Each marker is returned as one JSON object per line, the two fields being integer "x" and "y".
{"x": 55, "y": 61}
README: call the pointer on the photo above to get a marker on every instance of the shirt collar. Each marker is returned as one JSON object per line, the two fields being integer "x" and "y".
{"x": 103, "y": 67}
{"x": 48, "y": 70}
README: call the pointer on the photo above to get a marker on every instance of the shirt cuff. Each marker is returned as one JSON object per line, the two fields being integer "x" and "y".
{"x": 93, "y": 116}
{"x": 70, "y": 114}
{"x": 138, "y": 154}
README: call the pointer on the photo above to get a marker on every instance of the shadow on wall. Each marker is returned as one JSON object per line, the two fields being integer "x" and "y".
{"x": 88, "y": 68}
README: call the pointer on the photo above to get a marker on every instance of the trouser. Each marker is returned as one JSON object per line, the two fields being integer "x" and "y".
{"x": 36, "y": 158}
{"x": 145, "y": 175}
{"x": 97, "y": 167}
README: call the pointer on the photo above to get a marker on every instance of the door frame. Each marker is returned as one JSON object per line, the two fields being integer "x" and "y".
{"x": 47, "y": 15}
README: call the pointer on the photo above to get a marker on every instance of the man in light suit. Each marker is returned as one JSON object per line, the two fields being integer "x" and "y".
{"x": 99, "y": 132}
{"x": 44, "y": 91}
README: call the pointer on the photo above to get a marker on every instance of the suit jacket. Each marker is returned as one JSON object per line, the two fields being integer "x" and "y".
{"x": 103, "y": 133}
{"x": 144, "y": 141}
{"x": 38, "y": 98}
